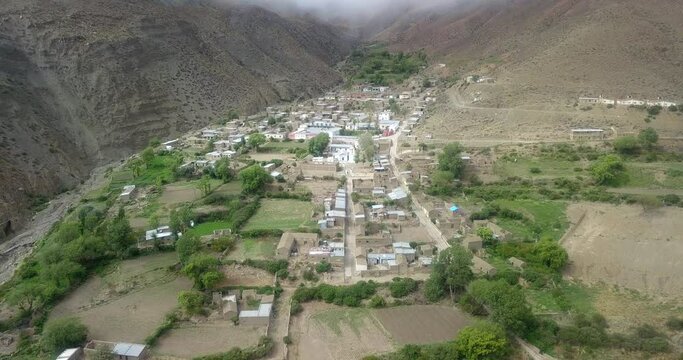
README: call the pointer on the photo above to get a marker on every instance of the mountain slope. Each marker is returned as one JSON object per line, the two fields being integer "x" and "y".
{"x": 83, "y": 82}
{"x": 557, "y": 48}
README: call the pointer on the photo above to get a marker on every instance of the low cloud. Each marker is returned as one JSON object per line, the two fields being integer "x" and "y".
{"x": 348, "y": 10}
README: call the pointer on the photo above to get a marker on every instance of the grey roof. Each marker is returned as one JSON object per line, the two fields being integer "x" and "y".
{"x": 397, "y": 194}
{"x": 67, "y": 353}
{"x": 127, "y": 349}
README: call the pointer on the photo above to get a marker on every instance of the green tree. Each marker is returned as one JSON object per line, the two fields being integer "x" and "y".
{"x": 256, "y": 140}
{"x": 648, "y": 138}
{"x": 608, "y": 170}
{"x": 550, "y": 254}
{"x": 211, "y": 278}
{"x": 485, "y": 234}
{"x": 119, "y": 234}
{"x": 450, "y": 160}
{"x": 186, "y": 246}
{"x": 27, "y": 295}
{"x": 135, "y": 166}
{"x": 367, "y": 146}
{"x": 204, "y": 185}
{"x": 200, "y": 265}
{"x": 318, "y": 144}
{"x": 180, "y": 218}
{"x": 254, "y": 179}
{"x": 482, "y": 341}
{"x": 627, "y": 145}
{"x": 192, "y": 302}
{"x": 506, "y": 303}
{"x": 63, "y": 333}
{"x": 452, "y": 272}
{"x": 443, "y": 183}
{"x": 147, "y": 156}
{"x": 223, "y": 170}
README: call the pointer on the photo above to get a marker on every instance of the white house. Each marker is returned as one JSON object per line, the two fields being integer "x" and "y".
{"x": 274, "y": 136}
{"x": 162, "y": 233}
{"x": 128, "y": 192}
{"x": 390, "y": 125}
{"x": 385, "y": 115}
{"x": 210, "y": 134}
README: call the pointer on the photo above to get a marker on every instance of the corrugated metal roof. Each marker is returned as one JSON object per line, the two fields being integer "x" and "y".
{"x": 127, "y": 349}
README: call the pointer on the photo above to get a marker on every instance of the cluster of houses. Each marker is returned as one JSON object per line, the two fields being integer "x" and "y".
{"x": 309, "y": 248}
{"x": 624, "y": 102}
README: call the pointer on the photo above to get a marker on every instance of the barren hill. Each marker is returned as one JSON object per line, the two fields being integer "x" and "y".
{"x": 83, "y": 82}
{"x": 552, "y": 50}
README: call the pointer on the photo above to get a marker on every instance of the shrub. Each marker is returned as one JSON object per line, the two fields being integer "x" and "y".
{"x": 323, "y": 267}
{"x": 482, "y": 341}
{"x": 296, "y": 308}
{"x": 671, "y": 199}
{"x": 401, "y": 287}
{"x": 627, "y": 145}
{"x": 535, "y": 170}
{"x": 63, "y": 333}
{"x": 675, "y": 323}
{"x": 287, "y": 340}
{"x": 377, "y": 302}
{"x": 192, "y": 302}
{"x": 271, "y": 266}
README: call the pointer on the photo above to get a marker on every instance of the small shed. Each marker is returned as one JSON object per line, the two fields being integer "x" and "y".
{"x": 127, "y": 351}
{"x": 72, "y": 354}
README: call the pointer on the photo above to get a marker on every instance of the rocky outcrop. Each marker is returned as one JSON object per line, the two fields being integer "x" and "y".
{"x": 83, "y": 82}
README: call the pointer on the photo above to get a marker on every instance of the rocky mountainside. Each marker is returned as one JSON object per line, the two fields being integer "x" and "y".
{"x": 85, "y": 82}
{"x": 550, "y": 49}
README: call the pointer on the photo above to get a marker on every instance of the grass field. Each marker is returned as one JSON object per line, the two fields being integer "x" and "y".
{"x": 574, "y": 297}
{"x": 207, "y": 228}
{"x": 255, "y": 248}
{"x": 548, "y": 216}
{"x": 232, "y": 188}
{"x": 208, "y": 338}
{"x": 282, "y": 215}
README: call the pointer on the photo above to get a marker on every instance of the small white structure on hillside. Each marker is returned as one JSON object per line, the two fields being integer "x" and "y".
{"x": 128, "y": 192}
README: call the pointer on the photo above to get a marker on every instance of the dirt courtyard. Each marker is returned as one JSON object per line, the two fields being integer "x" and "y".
{"x": 207, "y": 338}
{"x": 628, "y": 246}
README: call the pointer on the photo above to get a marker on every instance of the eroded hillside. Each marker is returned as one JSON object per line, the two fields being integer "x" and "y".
{"x": 551, "y": 51}
{"x": 86, "y": 82}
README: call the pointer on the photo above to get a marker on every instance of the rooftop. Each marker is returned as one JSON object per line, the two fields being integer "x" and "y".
{"x": 127, "y": 349}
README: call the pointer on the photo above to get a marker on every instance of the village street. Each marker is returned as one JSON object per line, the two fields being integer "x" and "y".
{"x": 349, "y": 233}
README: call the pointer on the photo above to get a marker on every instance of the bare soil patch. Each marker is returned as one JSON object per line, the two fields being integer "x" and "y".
{"x": 271, "y": 156}
{"x": 191, "y": 340}
{"x": 422, "y": 324}
{"x": 327, "y": 332}
{"x": 412, "y": 233}
{"x": 127, "y": 303}
{"x": 240, "y": 275}
{"x": 176, "y": 194}
{"x": 628, "y": 246}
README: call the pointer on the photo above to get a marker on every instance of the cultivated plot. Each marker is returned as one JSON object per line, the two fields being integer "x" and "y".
{"x": 281, "y": 214}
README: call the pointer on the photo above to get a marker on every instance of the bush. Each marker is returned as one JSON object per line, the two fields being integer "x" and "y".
{"x": 309, "y": 275}
{"x": 271, "y": 266}
{"x": 221, "y": 244}
{"x": 377, "y": 302}
{"x": 63, "y": 333}
{"x": 401, "y": 287}
{"x": 339, "y": 295}
{"x": 671, "y": 199}
{"x": 287, "y": 340}
{"x": 192, "y": 302}
{"x": 482, "y": 341}
{"x": 168, "y": 324}
{"x": 296, "y": 308}
{"x": 627, "y": 145}
{"x": 535, "y": 170}
{"x": 675, "y": 323}
{"x": 323, "y": 267}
